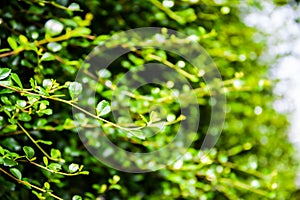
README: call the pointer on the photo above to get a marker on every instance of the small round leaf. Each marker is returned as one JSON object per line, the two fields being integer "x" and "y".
{"x": 103, "y": 108}
{"x": 29, "y": 151}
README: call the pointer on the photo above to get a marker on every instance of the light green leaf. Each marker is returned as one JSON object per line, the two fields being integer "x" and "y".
{"x": 54, "y": 46}
{"x": 29, "y": 151}
{"x": 16, "y": 173}
{"x": 85, "y": 172}
{"x": 21, "y": 103}
{"x": 23, "y": 40}
{"x": 75, "y": 89}
{"x": 80, "y": 31}
{"x": 47, "y": 84}
{"x": 4, "y": 72}
{"x": 1, "y": 150}
{"x": 76, "y": 197}
{"x": 103, "y": 108}
{"x": 12, "y": 43}
{"x": 47, "y": 186}
{"x": 5, "y": 49}
{"x": 73, "y": 167}
{"x": 10, "y": 128}
{"x": 55, "y": 153}
{"x": 46, "y": 142}
{"x": 47, "y": 57}
{"x": 16, "y": 78}
{"x": 74, "y": 7}
{"x": 54, "y": 166}
{"x": 45, "y": 160}
{"x": 53, "y": 27}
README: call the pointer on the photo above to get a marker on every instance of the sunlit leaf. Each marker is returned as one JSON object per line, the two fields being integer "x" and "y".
{"x": 4, "y": 72}
{"x": 103, "y": 108}
{"x": 75, "y": 89}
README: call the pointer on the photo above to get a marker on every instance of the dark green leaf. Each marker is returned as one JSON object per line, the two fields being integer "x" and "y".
{"x": 29, "y": 151}
{"x": 9, "y": 163}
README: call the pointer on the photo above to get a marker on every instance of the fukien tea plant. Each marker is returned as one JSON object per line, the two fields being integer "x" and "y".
{"x": 44, "y": 44}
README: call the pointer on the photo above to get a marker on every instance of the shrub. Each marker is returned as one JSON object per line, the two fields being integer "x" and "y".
{"x": 44, "y": 44}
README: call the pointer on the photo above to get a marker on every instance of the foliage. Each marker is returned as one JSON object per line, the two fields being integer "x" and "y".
{"x": 44, "y": 43}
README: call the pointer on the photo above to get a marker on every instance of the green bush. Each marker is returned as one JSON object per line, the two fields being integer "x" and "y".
{"x": 43, "y": 46}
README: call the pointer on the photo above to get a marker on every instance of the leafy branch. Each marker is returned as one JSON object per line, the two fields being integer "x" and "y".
{"x": 30, "y": 185}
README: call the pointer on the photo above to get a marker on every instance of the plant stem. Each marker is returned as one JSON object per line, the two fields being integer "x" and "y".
{"x": 29, "y": 184}
{"x": 36, "y": 144}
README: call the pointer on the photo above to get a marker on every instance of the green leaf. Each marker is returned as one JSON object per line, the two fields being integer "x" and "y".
{"x": 5, "y": 100}
{"x": 103, "y": 108}
{"x": 76, "y": 197}
{"x": 54, "y": 46}
{"x": 44, "y": 142}
{"x": 47, "y": 186}
{"x": 45, "y": 160}
{"x": 9, "y": 163}
{"x": 47, "y": 57}
{"x": 85, "y": 172}
{"x": 23, "y": 40}
{"x": 10, "y": 128}
{"x": 5, "y": 49}
{"x": 75, "y": 89}
{"x": 73, "y": 168}
{"x": 80, "y": 31}
{"x": 55, "y": 153}
{"x": 53, "y": 27}
{"x": 29, "y": 151}
{"x": 12, "y": 43}
{"x": 47, "y": 84}
{"x": 74, "y": 7}
{"x": 25, "y": 117}
{"x": 16, "y": 78}
{"x": 21, "y": 103}
{"x": 54, "y": 166}
{"x": 6, "y": 91}
{"x": 4, "y": 72}
{"x": 16, "y": 173}
{"x": 1, "y": 150}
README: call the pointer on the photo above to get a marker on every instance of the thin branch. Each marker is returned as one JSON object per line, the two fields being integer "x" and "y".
{"x": 36, "y": 143}
{"x": 29, "y": 184}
